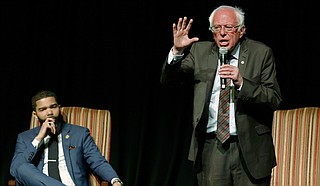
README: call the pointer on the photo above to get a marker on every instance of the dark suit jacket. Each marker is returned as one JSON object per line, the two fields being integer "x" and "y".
{"x": 254, "y": 104}
{"x": 79, "y": 149}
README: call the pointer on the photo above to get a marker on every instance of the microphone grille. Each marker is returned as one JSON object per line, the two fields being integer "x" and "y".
{"x": 223, "y": 50}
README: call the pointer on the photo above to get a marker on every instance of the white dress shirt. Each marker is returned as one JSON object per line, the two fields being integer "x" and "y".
{"x": 63, "y": 170}
{"x": 214, "y": 101}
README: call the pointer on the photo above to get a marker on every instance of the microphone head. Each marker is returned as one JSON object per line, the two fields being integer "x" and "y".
{"x": 223, "y": 50}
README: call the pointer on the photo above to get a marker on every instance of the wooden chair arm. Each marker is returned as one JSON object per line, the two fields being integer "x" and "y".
{"x": 104, "y": 183}
{"x": 11, "y": 182}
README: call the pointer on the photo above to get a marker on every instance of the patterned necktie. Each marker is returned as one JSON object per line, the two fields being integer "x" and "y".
{"x": 53, "y": 158}
{"x": 223, "y": 131}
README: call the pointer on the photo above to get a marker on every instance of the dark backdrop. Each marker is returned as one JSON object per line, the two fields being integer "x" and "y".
{"x": 108, "y": 55}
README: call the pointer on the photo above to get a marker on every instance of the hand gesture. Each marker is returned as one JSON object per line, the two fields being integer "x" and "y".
{"x": 181, "y": 38}
{"x": 47, "y": 127}
{"x": 232, "y": 72}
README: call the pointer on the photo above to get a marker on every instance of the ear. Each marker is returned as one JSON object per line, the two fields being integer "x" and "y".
{"x": 242, "y": 31}
{"x": 34, "y": 114}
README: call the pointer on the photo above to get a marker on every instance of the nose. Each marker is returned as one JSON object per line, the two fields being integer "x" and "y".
{"x": 223, "y": 31}
{"x": 50, "y": 113}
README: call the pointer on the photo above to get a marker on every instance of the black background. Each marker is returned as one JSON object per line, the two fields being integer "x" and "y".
{"x": 108, "y": 55}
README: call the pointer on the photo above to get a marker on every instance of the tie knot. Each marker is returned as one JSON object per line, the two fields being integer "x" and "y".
{"x": 54, "y": 138}
{"x": 230, "y": 57}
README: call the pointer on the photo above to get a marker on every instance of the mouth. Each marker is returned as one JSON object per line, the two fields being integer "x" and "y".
{"x": 224, "y": 43}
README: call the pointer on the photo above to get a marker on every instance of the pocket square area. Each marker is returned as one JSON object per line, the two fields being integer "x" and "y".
{"x": 72, "y": 147}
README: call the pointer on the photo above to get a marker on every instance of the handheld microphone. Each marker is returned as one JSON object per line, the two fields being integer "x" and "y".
{"x": 223, "y": 60}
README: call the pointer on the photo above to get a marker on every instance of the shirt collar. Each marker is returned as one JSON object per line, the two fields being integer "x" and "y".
{"x": 235, "y": 52}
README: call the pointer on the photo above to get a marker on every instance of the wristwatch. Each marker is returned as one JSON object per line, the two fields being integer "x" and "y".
{"x": 119, "y": 181}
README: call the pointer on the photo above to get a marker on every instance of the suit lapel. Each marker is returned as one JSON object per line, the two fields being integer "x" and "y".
{"x": 212, "y": 64}
{"x": 66, "y": 142}
{"x": 242, "y": 62}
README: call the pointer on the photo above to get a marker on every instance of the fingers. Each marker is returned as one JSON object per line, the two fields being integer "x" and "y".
{"x": 48, "y": 127}
{"x": 228, "y": 71}
{"x": 182, "y": 24}
{"x": 177, "y": 27}
{"x": 181, "y": 38}
{"x": 179, "y": 24}
{"x": 189, "y": 25}
{"x": 51, "y": 125}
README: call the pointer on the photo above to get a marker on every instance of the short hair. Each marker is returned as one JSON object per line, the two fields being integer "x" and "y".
{"x": 237, "y": 10}
{"x": 40, "y": 95}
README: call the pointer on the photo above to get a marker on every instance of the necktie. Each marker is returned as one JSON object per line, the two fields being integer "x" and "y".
{"x": 53, "y": 158}
{"x": 223, "y": 131}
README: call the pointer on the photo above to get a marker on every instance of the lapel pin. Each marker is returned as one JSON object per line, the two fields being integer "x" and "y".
{"x": 67, "y": 136}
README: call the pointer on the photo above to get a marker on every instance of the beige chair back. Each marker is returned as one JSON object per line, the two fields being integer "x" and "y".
{"x": 296, "y": 136}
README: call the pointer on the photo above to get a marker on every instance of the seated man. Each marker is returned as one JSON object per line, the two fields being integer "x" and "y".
{"x": 35, "y": 162}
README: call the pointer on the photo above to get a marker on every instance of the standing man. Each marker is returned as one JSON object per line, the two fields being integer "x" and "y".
{"x": 76, "y": 152}
{"x": 244, "y": 154}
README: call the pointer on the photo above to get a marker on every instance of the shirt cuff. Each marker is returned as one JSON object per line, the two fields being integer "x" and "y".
{"x": 36, "y": 143}
{"x": 172, "y": 59}
{"x": 116, "y": 180}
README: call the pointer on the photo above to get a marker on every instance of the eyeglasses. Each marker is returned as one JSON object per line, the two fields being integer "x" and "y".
{"x": 227, "y": 28}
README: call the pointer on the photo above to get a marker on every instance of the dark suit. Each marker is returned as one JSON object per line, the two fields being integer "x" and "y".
{"x": 254, "y": 104}
{"x": 80, "y": 153}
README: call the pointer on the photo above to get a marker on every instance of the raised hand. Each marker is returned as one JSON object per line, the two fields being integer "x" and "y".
{"x": 181, "y": 38}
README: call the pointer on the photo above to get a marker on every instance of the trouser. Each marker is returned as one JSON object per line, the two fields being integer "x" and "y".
{"x": 222, "y": 165}
{"x": 28, "y": 174}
